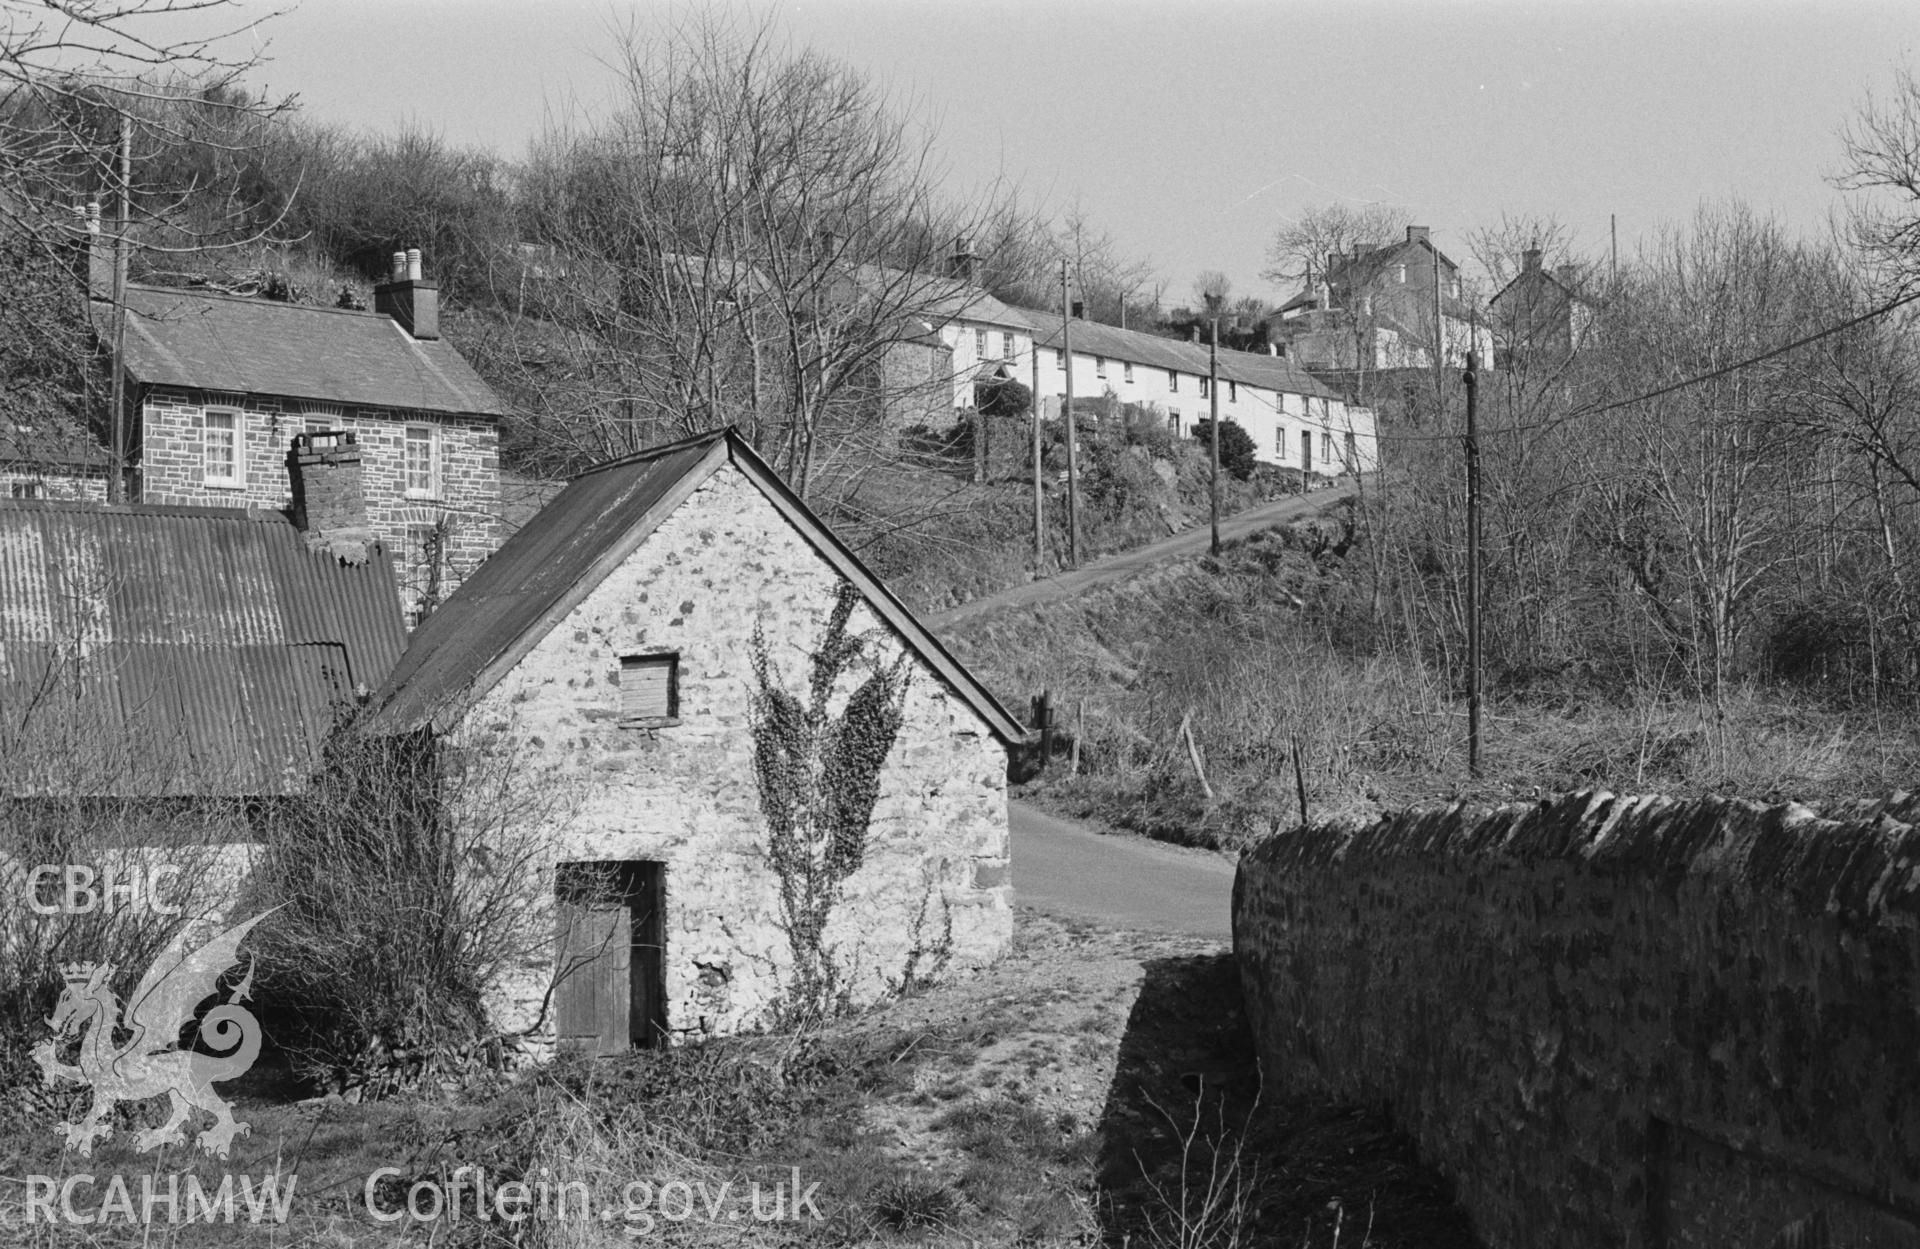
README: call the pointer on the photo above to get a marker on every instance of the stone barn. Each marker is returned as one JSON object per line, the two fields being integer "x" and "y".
{"x": 774, "y": 793}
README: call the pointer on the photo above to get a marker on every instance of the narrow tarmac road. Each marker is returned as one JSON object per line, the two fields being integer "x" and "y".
{"x": 1123, "y": 565}
{"x": 1066, "y": 868}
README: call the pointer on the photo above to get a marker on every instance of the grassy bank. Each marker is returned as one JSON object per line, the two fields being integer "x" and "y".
{"x": 1258, "y": 652}
{"x": 1094, "y": 1088}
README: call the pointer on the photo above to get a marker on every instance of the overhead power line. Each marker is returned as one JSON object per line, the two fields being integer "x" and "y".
{"x": 1699, "y": 378}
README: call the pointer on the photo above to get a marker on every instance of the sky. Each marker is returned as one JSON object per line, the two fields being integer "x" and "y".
{"x": 1191, "y": 130}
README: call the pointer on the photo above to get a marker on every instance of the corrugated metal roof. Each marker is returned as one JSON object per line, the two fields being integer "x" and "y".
{"x": 572, "y": 544}
{"x": 203, "y": 341}
{"x": 181, "y": 651}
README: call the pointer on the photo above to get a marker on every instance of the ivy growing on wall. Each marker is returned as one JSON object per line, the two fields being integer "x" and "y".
{"x": 819, "y": 776}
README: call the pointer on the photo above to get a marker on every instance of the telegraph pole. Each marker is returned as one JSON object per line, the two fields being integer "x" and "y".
{"x": 1066, "y": 410}
{"x": 117, "y": 419}
{"x": 1472, "y": 380}
{"x": 1213, "y": 430}
{"x": 1039, "y": 517}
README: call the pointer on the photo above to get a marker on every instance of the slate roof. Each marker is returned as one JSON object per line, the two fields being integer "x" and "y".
{"x": 547, "y": 568}
{"x": 45, "y": 446}
{"x": 185, "y": 650}
{"x": 1251, "y": 368}
{"x": 205, "y": 341}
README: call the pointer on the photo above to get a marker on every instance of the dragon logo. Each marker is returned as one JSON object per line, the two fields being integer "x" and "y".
{"x": 152, "y": 1061}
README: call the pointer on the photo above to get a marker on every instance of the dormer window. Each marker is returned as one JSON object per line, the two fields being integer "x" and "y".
{"x": 222, "y": 449}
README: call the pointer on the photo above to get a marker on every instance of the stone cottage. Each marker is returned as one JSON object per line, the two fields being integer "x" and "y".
{"x": 218, "y": 385}
{"x": 776, "y": 792}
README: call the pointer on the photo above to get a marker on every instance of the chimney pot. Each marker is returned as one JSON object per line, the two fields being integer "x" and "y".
{"x": 329, "y": 500}
{"x": 397, "y": 267}
{"x": 413, "y": 304}
{"x": 1079, "y": 310}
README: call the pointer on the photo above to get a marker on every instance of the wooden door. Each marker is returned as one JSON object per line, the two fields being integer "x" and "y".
{"x": 608, "y": 996}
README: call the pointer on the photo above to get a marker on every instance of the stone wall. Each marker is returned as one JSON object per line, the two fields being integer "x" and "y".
{"x": 1613, "y": 1021}
{"x": 463, "y": 516}
{"x": 932, "y": 897}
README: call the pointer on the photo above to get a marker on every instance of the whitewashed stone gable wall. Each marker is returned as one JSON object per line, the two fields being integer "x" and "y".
{"x": 935, "y": 874}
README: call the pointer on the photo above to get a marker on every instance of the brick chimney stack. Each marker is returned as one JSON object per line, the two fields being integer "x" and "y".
{"x": 963, "y": 265}
{"x": 329, "y": 501}
{"x": 1530, "y": 260}
{"x": 413, "y": 303}
{"x": 1419, "y": 234}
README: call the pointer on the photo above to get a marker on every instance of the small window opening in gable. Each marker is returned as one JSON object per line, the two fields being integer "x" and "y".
{"x": 650, "y": 690}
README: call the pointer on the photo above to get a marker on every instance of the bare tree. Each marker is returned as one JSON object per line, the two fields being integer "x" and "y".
{"x": 754, "y": 237}
{"x": 1882, "y": 166}
{"x": 1301, "y": 246}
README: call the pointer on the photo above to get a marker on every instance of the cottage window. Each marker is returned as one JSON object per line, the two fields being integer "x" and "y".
{"x": 980, "y": 344}
{"x": 422, "y": 462}
{"x": 1204, "y": 390}
{"x": 650, "y": 690}
{"x": 1233, "y": 392}
{"x": 1173, "y": 382}
{"x": 26, "y": 490}
{"x": 1059, "y": 359}
{"x": 1099, "y": 366}
{"x": 1326, "y": 447}
{"x": 1126, "y": 371}
{"x": 1280, "y": 441}
{"x": 1173, "y": 422}
{"x": 1006, "y": 344}
{"x": 221, "y": 449}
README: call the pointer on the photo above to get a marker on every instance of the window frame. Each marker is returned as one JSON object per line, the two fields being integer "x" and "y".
{"x": 979, "y": 343}
{"x": 1126, "y": 371}
{"x": 1099, "y": 366}
{"x": 1006, "y": 344}
{"x": 1205, "y": 388}
{"x": 672, "y": 718}
{"x": 433, "y": 488}
{"x": 1059, "y": 360}
{"x": 1173, "y": 381}
{"x": 237, "y": 444}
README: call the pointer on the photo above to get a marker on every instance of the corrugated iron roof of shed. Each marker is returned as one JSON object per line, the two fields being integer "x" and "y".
{"x": 203, "y": 341}
{"x": 208, "y": 646}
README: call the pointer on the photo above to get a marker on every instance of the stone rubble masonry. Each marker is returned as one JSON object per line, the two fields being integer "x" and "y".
{"x": 172, "y": 466}
{"x": 1612, "y": 1021}
{"x": 932, "y": 898}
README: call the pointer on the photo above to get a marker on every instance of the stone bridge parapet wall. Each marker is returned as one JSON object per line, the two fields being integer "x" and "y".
{"x": 1612, "y": 1021}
